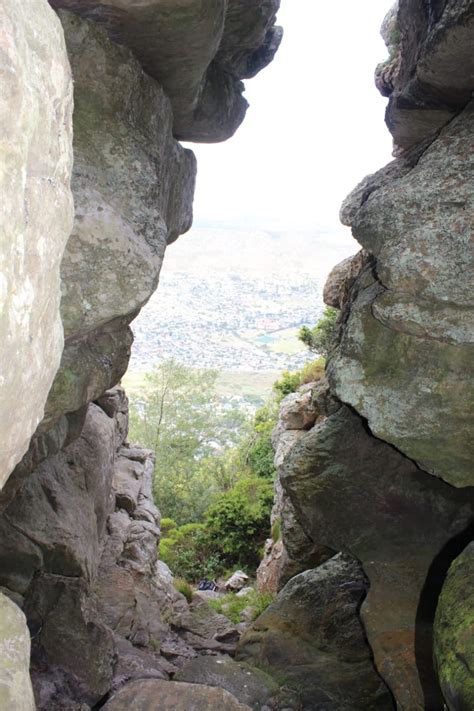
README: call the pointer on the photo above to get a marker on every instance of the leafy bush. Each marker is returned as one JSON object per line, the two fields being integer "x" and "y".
{"x": 166, "y": 524}
{"x": 290, "y": 382}
{"x": 189, "y": 553}
{"x": 184, "y": 588}
{"x": 237, "y": 524}
{"x": 232, "y": 605}
{"x": 318, "y": 339}
{"x": 257, "y": 450}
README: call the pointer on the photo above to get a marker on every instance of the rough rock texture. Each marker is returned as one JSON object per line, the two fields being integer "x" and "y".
{"x": 36, "y": 215}
{"x": 224, "y": 40}
{"x": 410, "y": 329}
{"x": 341, "y": 278}
{"x": 434, "y": 76}
{"x": 353, "y": 492}
{"x": 311, "y": 637}
{"x": 454, "y": 633}
{"x": 133, "y": 186}
{"x": 143, "y": 695}
{"x": 15, "y": 685}
{"x": 250, "y": 686}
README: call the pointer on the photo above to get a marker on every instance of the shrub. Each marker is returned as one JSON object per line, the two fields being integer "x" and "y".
{"x": 184, "y": 588}
{"x": 166, "y": 525}
{"x": 257, "y": 449}
{"x": 189, "y": 553}
{"x": 288, "y": 382}
{"x": 238, "y": 522}
{"x": 318, "y": 339}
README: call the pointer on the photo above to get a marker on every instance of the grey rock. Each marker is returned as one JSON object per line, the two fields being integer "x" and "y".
{"x": 312, "y": 640}
{"x": 36, "y": 215}
{"x": 429, "y": 88}
{"x": 249, "y": 685}
{"x": 225, "y": 42}
{"x": 142, "y": 695}
{"x": 15, "y": 684}
{"x": 414, "y": 217}
{"x": 351, "y": 491}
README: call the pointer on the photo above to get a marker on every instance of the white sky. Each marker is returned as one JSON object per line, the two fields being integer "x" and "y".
{"x": 315, "y": 124}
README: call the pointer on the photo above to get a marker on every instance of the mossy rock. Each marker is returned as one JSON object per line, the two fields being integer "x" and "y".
{"x": 454, "y": 634}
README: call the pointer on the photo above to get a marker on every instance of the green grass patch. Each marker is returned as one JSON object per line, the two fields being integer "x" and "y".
{"x": 232, "y": 605}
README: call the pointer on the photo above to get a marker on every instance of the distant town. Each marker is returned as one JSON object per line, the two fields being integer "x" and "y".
{"x": 233, "y": 300}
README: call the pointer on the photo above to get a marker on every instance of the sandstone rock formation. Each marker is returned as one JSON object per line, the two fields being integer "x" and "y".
{"x": 225, "y": 41}
{"x": 36, "y": 215}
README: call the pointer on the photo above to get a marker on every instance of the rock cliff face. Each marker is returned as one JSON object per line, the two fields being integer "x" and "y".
{"x": 384, "y": 472}
{"x": 79, "y": 530}
{"x": 374, "y": 496}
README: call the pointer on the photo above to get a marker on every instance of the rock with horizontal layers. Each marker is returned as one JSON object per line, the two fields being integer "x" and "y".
{"x": 353, "y": 492}
{"x": 249, "y": 685}
{"x": 224, "y": 41}
{"x": 454, "y": 633}
{"x": 15, "y": 684}
{"x": 311, "y": 639}
{"x": 405, "y": 358}
{"x": 434, "y": 41}
{"x": 36, "y": 214}
{"x": 145, "y": 694}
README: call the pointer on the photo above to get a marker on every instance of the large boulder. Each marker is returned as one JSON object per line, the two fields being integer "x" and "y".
{"x": 15, "y": 685}
{"x": 251, "y": 686}
{"x": 454, "y": 633}
{"x": 37, "y": 212}
{"x": 146, "y": 694}
{"x": 405, "y": 359}
{"x": 133, "y": 187}
{"x": 430, "y": 75}
{"x": 353, "y": 492}
{"x": 311, "y": 639}
{"x": 198, "y": 51}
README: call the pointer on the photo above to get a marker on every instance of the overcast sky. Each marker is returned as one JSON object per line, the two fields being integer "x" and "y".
{"x": 314, "y": 127}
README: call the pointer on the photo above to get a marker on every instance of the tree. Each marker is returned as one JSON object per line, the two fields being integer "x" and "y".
{"x": 318, "y": 339}
{"x": 179, "y": 419}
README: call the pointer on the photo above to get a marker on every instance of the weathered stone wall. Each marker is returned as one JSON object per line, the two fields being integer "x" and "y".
{"x": 36, "y": 215}
{"x": 385, "y": 471}
{"x": 79, "y": 530}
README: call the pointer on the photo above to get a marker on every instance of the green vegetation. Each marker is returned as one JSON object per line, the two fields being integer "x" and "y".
{"x": 232, "y": 533}
{"x": 318, "y": 339}
{"x": 232, "y": 605}
{"x": 184, "y": 588}
{"x": 214, "y": 470}
{"x": 177, "y": 416}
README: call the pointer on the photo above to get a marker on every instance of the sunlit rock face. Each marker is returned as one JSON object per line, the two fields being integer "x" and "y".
{"x": 37, "y": 210}
{"x": 133, "y": 187}
{"x": 198, "y": 51}
{"x": 405, "y": 359}
{"x": 434, "y": 67}
{"x": 15, "y": 685}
